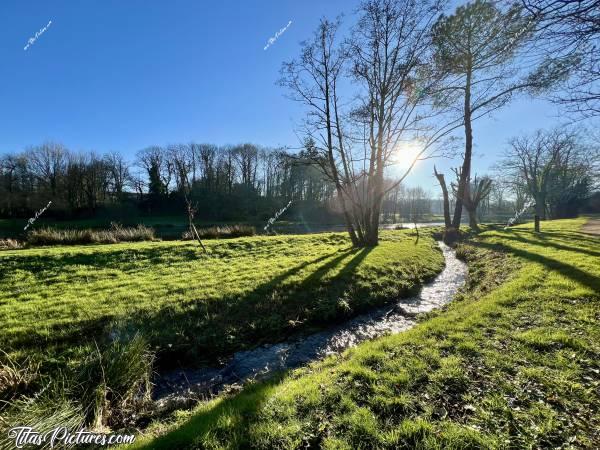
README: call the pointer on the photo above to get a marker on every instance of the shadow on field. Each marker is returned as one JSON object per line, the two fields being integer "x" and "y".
{"x": 126, "y": 259}
{"x": 228, "y": 420}
{"x": 568, "y": 270}
{"x": 543, "y": 240}
{"x": 204, "y": 331}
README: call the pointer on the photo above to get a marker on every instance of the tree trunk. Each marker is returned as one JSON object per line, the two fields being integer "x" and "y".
{"x": 335, "y": 175}
{"x": 465, "y": 174}
{"x": 442, "y": 181}
{"x": 473, "y": 218}
{"x": 539, "y": 212}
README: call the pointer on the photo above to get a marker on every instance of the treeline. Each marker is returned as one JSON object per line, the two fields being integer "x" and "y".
{"x": 237, "y": 182}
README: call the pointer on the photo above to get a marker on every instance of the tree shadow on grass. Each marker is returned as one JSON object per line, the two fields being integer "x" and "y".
{"x": 545, "y": 241}
{"x": 269, "y": 313}
{"x": 98, "y": 327}
{"x": 228, "y": 421}
{"x": 568, "y": 270}
{"x": 127, "y": 260}
{"x": 205, "y": 330}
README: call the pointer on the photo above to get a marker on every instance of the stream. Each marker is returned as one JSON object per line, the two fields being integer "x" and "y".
{"x": 179, "y": 387}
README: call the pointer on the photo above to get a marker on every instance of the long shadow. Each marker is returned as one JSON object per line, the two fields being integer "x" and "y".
{"x": 82, "y": 329}
{"x": 547, "y": 243}
{"x": 263, "y": 315}
{"x": 572, "y": 272}
{"x": 209, "y": 329}
{"x": 126, "y": 259}
{"x": 573, "y": 235}
{"x": 238, "y": 411}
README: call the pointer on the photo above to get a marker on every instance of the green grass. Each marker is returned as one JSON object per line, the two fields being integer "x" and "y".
{"x": 54, "y": 302}
{"x": 512, "y": 363}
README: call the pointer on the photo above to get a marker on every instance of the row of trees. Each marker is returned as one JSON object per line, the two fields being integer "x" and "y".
{"x": 227, "y": 181}
{"x": 406, "y": 76}
{"x": 418, "y": 75}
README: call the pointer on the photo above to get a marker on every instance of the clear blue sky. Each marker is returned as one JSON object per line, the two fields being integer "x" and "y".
{"x": 125, "y": 74}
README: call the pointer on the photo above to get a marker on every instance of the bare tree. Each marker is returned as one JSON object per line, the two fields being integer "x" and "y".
{"x": 181, "y": 161}
{"x": 388, "y": 58}
{"x": 312, "y": 80}
{"x": 532, "y": 159}
{"x": 48, "y": 163}
{"x": 446, "y": 200}
{"x": 118, "y": 171}
{"x": 246, "y": 158}
{"x": 478, "y": 192}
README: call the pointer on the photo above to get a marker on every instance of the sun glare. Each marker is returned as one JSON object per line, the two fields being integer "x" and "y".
{"x": 404, "y": 155}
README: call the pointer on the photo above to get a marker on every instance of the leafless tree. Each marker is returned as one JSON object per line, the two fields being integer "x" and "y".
{"x": 478, "y": 192}
{"x": 446, "y": 199}
{"x": 388, "y": 58}
{"x": 180, "y": 159}
{"x": 532, "y": 159}
{"x": 118, "y": 169}
{"x": 48, "y": 163}
{"x": 246, "y": 158}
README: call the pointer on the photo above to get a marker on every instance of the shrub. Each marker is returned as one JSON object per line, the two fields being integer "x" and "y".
{"x": 225, "y": 231}
{"x": 116, "y": 233}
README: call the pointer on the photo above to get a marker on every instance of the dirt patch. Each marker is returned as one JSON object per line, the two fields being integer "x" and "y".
{"x": 592, "y": 227}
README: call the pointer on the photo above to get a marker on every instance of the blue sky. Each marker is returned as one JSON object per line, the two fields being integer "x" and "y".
{"x": 122, "y": 75}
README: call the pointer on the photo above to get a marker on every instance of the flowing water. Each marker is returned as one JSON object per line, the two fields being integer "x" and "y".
{"x": 179, "y": 386}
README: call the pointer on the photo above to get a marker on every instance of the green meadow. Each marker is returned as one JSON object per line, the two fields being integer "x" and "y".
{"x": 57, "y": 302}
{"x": 513, "y": 362}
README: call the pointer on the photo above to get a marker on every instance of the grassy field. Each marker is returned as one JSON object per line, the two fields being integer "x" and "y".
{"x": 190, "y": 307}
{"x": 513, "y": 363}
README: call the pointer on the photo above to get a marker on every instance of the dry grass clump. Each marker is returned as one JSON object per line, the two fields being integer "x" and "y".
{"x": 116, "y": 233}
{"x": 9, "y": 244}
{"x": 225, "y": 231}
{"x": 104, "y": 390}
{"x": 15, "y": 377}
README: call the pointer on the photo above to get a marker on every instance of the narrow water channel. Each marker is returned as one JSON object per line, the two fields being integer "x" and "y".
{"x": 180, "y": 385}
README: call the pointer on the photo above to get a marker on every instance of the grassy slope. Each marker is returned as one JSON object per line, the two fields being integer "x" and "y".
{"x": 247, "y": 291}
{"x": 514, "y": 366}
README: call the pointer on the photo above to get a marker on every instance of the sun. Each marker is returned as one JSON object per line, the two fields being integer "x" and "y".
{"x": 405, "y": 153}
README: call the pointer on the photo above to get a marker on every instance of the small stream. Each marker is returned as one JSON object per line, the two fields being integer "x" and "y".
{"x": 180, "y": 386}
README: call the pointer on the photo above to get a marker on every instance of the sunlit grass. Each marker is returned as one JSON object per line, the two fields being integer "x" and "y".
{"x": 514, "y": 363}
{"x": 193, "y": 306}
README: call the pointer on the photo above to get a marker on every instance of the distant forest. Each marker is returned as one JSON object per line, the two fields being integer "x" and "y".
{"x": 241, "y": 182}
{"x": 237, "y": 183}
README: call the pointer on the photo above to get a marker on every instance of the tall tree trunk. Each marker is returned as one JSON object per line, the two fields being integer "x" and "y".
{"x": 465, "y": 174}
{"x": 335, "y": 174}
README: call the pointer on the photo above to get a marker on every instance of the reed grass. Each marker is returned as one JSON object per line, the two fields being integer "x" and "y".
{"x": 116, "y": 234}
